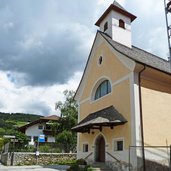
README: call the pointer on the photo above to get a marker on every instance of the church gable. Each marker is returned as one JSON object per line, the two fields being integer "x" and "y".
{"x": 104, "y": 64}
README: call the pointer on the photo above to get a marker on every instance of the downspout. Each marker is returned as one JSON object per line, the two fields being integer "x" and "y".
{"x": 141, "y": 116}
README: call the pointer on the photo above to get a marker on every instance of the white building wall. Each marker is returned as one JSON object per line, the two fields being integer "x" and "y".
{"x": 33, "y": 130}
{"x": 108, "y": 19}
{"x": 117, "y": 33}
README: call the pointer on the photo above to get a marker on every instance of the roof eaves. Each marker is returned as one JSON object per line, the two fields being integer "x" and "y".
{"x": 33, "y": 123}
{"x": 117, "y": 9}
{"x": 86, "y": 66}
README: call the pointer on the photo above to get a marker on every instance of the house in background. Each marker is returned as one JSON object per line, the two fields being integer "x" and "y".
{"x": 39, "y": 127}
{"x": 124, "y": 98}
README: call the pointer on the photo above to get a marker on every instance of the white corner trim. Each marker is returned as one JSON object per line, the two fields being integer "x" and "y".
{"x": 137, "y": 111}
{"x": 132, "y": 100}
{"x": 126, "y": 77}
{"x": 118, "y": 139}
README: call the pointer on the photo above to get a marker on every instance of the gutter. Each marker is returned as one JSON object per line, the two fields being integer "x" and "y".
{"x": 141, "y": 116}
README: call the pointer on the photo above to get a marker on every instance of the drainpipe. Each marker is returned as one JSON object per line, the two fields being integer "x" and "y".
{"x": 141, "y": 116}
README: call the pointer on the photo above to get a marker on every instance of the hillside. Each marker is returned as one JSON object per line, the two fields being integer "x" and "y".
{"x": 19, "y": 117}
{"x": 11, "y": 121}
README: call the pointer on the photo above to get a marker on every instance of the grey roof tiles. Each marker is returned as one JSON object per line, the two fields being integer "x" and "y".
{"x": 107, "y": 116}
{"x": 139, "y": 55}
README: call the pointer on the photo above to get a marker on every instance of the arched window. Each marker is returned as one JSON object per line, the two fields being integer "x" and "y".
{"x": 121, "y": 24}
{"x": 105, "y": 26}
{"x": 103, "y": 89}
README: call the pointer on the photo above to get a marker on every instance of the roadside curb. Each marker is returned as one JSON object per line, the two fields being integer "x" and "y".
{"x": 64, "y": 167}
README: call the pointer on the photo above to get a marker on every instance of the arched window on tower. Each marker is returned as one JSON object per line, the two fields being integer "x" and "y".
{"x": 105, "y": 26}
{"x": 103, "y": 89}
{"x": 121, "y": 24}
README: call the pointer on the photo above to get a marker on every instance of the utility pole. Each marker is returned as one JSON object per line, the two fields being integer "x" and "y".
{"x": 167, "y": 6}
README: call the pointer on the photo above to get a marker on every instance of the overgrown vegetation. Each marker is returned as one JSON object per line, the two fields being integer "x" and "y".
{"x": 1, "y": 142}
{"x": 80, "y": 165}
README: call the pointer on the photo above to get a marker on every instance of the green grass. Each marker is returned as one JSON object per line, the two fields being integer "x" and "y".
{"x": 20, "y": 123}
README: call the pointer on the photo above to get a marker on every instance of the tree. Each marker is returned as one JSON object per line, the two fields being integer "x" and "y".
{"x": 69, "y": 109}
{"x": 21, "y": 137}
{"x": 2, "y": 132}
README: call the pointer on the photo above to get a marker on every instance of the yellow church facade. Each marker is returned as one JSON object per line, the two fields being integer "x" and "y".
{"x": 124, "y": 96}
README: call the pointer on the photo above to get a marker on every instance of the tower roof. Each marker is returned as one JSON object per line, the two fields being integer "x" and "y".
{"x": 118, "y": 8}
{"x": 118, "y": 5}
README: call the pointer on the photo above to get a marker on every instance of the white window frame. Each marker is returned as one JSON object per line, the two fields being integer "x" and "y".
{"x": 96, "y": 85}
{"x": 40, "y": 128}
{"x": 84, "y": 147}
{"x": 115, "y": 140}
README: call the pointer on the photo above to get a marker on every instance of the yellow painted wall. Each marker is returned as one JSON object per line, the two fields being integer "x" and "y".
{"x": 111, "y": 67}
{"x": 156, "y": 103}
{"x": 119, "y": 97}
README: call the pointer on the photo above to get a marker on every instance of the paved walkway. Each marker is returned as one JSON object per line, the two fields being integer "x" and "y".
{"x": 34, "y": 168}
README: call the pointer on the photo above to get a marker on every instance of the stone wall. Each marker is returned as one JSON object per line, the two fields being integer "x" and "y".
{"x": 42, "y": 159}
{"x": 5, "y": 159}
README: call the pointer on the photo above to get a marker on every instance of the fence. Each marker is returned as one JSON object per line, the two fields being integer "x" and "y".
{"x": 155, "y": 158}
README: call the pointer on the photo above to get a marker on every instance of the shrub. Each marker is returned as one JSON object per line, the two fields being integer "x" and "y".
{"x": 88, "y": 168}
{"x": 1, "y": 143}
{"x": 81, "y": 162}
{"x": 44, "y": 148}
{"x": 74, "y": 167}
{"x": 67, "y": 162}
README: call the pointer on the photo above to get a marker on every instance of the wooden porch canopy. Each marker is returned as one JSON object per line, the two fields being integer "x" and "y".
{"x": 108, "y": 117}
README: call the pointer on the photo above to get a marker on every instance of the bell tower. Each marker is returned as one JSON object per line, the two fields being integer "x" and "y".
{"x": 116, "y": 22}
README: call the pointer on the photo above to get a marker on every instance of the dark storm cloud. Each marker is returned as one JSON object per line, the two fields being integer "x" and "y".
{"x": 44, "y": 40}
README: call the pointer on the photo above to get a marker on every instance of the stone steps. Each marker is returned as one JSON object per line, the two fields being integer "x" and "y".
{"x": 99, "y": 166}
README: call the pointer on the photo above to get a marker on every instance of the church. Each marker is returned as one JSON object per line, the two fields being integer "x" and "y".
{"x": 124, "y": 98}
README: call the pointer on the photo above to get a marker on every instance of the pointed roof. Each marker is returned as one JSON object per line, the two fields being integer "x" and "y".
{"x": 118, "y": 8}
{"x": 108, "y": 116}
{"x": 118, "y": 5}
{"x": 136, "y": 54}
{"x": 41, "y": 120}
{"x": 139, "y": 55}
{"x": 51, "y": 117}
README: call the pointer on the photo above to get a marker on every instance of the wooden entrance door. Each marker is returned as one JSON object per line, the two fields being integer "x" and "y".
{"x": 100, "y": 149}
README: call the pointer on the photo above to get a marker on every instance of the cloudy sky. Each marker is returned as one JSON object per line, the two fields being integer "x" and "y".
{"x": 44, "y": 45}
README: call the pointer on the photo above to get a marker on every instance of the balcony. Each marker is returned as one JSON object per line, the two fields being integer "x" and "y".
{"x": 48, "y": 132}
